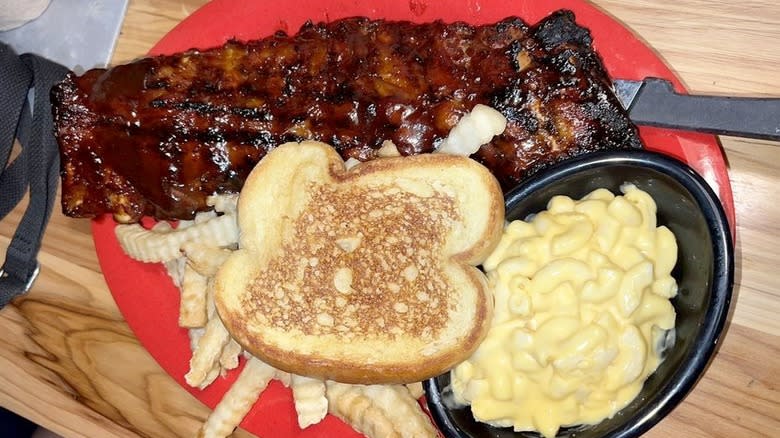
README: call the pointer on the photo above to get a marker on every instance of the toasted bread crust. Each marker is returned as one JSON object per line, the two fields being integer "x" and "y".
{"x": 361, "y": 276}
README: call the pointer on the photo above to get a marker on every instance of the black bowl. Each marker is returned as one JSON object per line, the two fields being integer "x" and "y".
{"x": 704, "y": 271}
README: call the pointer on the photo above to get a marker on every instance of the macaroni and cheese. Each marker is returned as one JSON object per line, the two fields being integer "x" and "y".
{"x": 582, "y": 296}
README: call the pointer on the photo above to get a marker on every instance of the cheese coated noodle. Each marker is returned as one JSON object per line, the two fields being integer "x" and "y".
{"x": 582, "y": 305}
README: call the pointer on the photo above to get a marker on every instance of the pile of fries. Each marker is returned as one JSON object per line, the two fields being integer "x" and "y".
{"x": 192, "y": 253}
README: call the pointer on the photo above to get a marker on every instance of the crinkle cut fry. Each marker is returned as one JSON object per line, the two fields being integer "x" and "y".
{"x": 373, "y": 412}
{"x": 229, "y": 358}
{"x": 311, "y": 405}
{"x": 415, "y": 389}
{"x": 223, "y": 203}
{"x": 403, "y": 409}
{"x": 203, "y": 258}
{"x": 349, "y": 404}
{"x": 175, "y": 269}
{"x": 205, "y": 358}
{"x": 192, "y": 307}
{"x": 238, "y": 400}
{"x": 161, "y": 245}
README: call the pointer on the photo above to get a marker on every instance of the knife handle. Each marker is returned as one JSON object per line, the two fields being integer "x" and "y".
{"x": 657, "y": 104}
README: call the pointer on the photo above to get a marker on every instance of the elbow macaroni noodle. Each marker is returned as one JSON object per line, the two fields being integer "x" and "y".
{"x": 582, "y": 299}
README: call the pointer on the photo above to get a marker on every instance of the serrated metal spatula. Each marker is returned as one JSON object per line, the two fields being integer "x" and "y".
{"x": 653, "y": 102}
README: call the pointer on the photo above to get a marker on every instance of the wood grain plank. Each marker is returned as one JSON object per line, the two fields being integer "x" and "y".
{"x": 717, "y": 47}
{"x": 735, "y": 398}
{"x": 147, "y": 21}
{"x": 69, "y": 362}
{"x": 754, "y": 178}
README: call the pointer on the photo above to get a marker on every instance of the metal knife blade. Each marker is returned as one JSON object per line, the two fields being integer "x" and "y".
{"x": 653, "y": 102}
{"x": 626, "y": 91}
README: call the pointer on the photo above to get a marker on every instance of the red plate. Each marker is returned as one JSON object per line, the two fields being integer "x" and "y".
{"x": 148, "y": 299}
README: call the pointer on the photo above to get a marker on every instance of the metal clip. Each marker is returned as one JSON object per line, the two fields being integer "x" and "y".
{"x": 30, "y": 280}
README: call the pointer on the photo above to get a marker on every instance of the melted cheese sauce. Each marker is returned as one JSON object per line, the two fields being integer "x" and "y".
{"x": 582, "y": 300}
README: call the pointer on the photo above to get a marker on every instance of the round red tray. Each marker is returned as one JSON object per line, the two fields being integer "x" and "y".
{"x": 150, "y": 302}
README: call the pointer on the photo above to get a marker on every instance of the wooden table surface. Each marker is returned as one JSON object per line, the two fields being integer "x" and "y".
{"x": 69, "y": 362}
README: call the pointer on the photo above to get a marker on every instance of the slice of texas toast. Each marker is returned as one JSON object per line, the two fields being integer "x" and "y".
{"x": 364, "y": 275}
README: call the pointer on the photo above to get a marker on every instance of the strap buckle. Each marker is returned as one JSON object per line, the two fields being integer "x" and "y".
{"x": 5, "y": 276}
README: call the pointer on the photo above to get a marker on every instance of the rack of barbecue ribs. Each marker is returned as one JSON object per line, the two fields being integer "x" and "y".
{"x": 157, "y": 136}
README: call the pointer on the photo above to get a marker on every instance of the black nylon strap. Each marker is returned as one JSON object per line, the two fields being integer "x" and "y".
{"x": 36, "y": 167}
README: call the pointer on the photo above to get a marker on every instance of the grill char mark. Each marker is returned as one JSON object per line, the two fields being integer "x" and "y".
{"x": 157, "y": 136}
